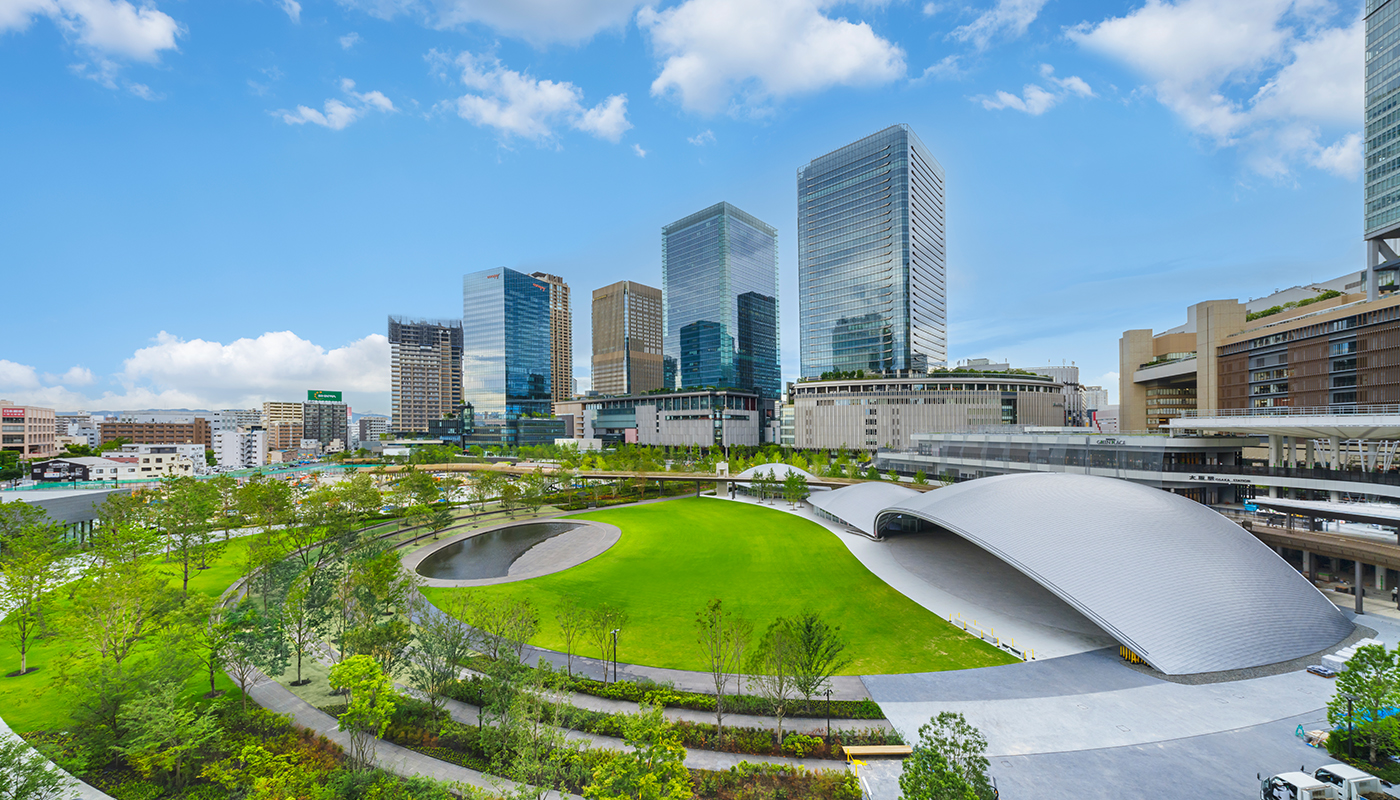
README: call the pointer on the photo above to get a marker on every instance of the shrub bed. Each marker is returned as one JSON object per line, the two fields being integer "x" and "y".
{"x": 655, "y": 694}
{"x": 771, "y": 781}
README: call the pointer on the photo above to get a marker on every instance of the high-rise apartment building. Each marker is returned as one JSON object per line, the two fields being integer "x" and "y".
{"x": 372, "y": 428}
{"x": 1382, "y": 214}
{"x": 327, "y": 423}
{"x": 627, "y": 355}
{"x": 425, "y": 371}
{"x": 719, "y": 286}
{"x": 506, "y": 364}
{"x": 561, "y": 336}
{"x": 870, "y": 257}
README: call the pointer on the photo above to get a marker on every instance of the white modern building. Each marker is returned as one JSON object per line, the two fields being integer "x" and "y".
{"x": 241, "y": 449}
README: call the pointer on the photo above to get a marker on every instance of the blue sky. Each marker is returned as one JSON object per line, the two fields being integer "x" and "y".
{"x": 213, "y": 204}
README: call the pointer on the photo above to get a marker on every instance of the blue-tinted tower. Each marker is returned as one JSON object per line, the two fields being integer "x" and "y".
{"x": 719, "y": 286}
{"x": 871, "y": 291}
{"x": 505, "y": 343}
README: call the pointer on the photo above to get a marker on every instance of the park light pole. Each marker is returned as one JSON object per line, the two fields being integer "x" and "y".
{"x": 828, "y": 717}
{"x": 614, "y": 635}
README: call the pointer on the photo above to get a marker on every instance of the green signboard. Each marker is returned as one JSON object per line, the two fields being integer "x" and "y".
{"x": 316, "y": 394}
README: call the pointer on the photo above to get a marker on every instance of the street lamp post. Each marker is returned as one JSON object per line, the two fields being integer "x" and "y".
{"x": 614, "y": 637}
{"x": 828, "y": 716}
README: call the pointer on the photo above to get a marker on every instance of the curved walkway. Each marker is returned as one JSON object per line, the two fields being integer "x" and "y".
{"x": 564, "y": 551}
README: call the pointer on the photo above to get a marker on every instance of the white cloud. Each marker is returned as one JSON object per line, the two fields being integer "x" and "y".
{"x": 538, "y": 21}
{"x": 517, "y": 104}
{"x": 293, "y": 9}
{"x": 930, "y": 9}
{"x": 702, "y": 138}
{"x": 1008, "y": 18}
{"x": 104, "y": 32}
{"x": 636, "y": 148}
{"x": 349, "y": 40}
{"x": 715, "y": 50}
{"x": 1035, "y": 99}
{"x": 946, "y": 69}
{"x": 175, "y": 373}
{"x": 338, "y": 114}
{"x": 1266, "y": 75}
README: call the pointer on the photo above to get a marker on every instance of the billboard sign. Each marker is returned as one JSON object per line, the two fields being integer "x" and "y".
{"x": 12, "y": 412}
{"x": 318, "y": 395}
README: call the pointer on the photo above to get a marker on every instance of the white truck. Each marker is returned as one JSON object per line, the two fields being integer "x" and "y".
{"x": 1296, "y": 786}
{"x": 1351, "y": 783}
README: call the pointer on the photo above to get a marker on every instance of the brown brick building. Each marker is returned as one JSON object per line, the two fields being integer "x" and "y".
{"x": 197, "y": 432}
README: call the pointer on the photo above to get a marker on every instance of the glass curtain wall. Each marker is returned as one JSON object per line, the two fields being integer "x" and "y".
{"x": 719, "y": 271}
{"x": 505, "y": 343}
{"x": 871, "y": 257}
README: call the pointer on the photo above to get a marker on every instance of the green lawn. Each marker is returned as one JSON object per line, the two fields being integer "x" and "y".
{"x": 675, "y": 556}
{"x": 31, "y": 703}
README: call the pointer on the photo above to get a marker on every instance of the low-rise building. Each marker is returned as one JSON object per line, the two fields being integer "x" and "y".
{"x": 1175, "y": 463}
{"x": 701, "y": 417}
{"x": 196, "y": 430}
{"x": 27, "y": 430}
{"x": 241, "y": 448}
{"x": 372, "y": 429}
{"x": 872, "y": 412}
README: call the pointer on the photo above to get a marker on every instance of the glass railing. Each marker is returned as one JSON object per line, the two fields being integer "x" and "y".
{"x": 1294, "y": 411}
{"x": 1318, "y": 473}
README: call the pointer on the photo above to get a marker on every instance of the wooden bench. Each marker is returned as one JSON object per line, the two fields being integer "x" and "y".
{"x": 876, "y": 750}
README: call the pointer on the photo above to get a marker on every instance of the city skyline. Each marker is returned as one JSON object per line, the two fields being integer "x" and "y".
{"x": 1089, "y": 189}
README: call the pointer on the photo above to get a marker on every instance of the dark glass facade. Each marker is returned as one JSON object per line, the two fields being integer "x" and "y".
{"x": 505, "y": 343}
{"x": 871, "y": 258}
{"x": 719, "y": 271}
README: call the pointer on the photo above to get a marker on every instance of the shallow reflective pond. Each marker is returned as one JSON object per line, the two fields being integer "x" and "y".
{"x": 489, "y": 555}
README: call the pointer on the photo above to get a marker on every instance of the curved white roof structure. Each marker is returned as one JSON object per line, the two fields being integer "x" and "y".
{"x": 859, "y": 504}
{"x": 1182, "y": 586}
{"x": 779, "y": 470}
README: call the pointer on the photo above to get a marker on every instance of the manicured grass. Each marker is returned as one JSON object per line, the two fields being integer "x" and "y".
{"x": 31, "y": 702}
{"x": 675, "y": 556}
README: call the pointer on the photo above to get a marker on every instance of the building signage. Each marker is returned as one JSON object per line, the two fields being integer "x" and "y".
{"x": 315, "y": 395}
{"x": 1232, "y": 479}
{"x": 12, "y": 412}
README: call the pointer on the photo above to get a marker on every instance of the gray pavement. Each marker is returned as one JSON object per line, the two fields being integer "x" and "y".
{"x": 77, "y": 789}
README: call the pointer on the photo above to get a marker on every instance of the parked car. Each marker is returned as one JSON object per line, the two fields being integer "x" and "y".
{"x": 1326, "y": 672}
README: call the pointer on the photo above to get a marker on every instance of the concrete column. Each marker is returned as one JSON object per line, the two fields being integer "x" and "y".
{"x": 1275, "y": 445}
{"x": 1310, "y": 454}
{"x": 1336, "y": 462}
{"x": 1357, "y": 588}
{"x": 1307, "y": 562}
{"x": 1380, "y": 577}
{"x": 1273, "y": 491}
{"x": 1334, "y": 496}
{"x": 1288, "y": 453}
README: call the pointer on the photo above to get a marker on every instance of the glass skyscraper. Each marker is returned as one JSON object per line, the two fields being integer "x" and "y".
{"x": 719, "y": 286}
{"x": 1382, "y": 143}
{"x": 871, "y": 292}
{"x": 505, "y": 343}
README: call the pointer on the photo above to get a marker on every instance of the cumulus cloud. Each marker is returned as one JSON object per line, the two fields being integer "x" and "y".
{"x": 293, "y": 9}
{"x": 1266, "y": 75}
{"x": 105, "y": 32}
{"x": 349, "y": 40}
{"x": 538, "y": 21}
{"x": 1036, "y": 99}
{"x": 1007, "y": 19}
{"x": 636, "y": 148}
{"x": 339, "y": 114}
{"x": 702, "y": 138}
{"x": 518, "y": 104}
{"x": 177, "y": 373}
{"x": 715, "y": 52}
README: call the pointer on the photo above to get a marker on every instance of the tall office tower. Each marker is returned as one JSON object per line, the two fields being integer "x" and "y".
{"x": 719, "y": 288}
{"x": 426, "y": 371}
{"x": 506, "y": 364}
{"x": 1382, "y": 215}
{"x": 561, "y": 336}
{"x": 627, "y": 339}
{"x": 870, "y": 257}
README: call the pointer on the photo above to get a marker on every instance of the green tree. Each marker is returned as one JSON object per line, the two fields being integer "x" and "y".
{"x": 1372, "y": 679}
{"x": 305, "y": 618}
{"x": 26, "y": 775}
{"x": 602, "y": 621}
{"x": 165, "y": 732}
{"x": 28, "y": 570}
{"x": 209, "y": 633}
{"x": 370, "y": 706}
{"x": 443, "y": 641}
{"x": 722, "y": 636}
{"x": 572, "y": 619}
{"x": 185, "y": 513}
{"x": 770, "y": 669}
{"x": 949, "y": 762}
{"x": 17, "y": 517}
{"x": 921, "y": 478}
{"x": 256, "y": 647}
{"x": 654, "y": 770}
{"x": 818, "y": 652}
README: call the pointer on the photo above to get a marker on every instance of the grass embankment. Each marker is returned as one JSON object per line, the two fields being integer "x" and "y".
{"x": 32, "y": 702}
{"x": 674, "y": 557}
